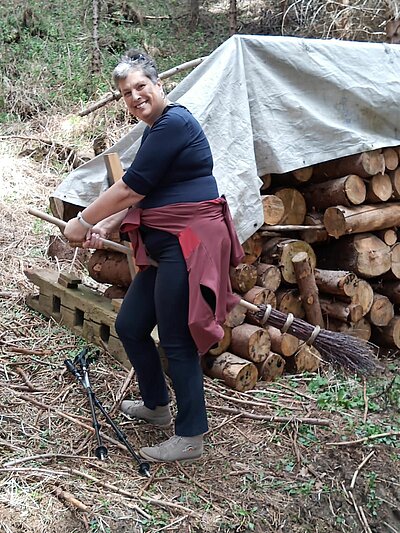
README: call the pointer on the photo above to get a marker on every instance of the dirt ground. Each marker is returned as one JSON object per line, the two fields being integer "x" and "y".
{"x": 330, "y": 463}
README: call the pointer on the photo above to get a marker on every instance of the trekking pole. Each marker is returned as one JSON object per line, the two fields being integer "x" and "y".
{"x": 144, "y": 467}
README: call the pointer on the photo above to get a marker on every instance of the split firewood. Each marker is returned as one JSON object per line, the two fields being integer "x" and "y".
{"x": 243, "y": 277}
{"x": 364, "y": 164}
{"x": 364, "y": 254}
{"x": 235, "y": 372}
{"x": 252, "y": 248}
{"x": 350, "y": 190}
{"x": 345, "y": 312}
{"x": 224, "y": 343}
{"x": 274, "y": 210}
{"x": 250, "y": 342}
{"x": 381, "y": 312}
{"x": 289, "y": 301}
{"x": 336, "y": 282}
{"x": 306, "y": 359}
{"x": 388, "y": 236}
{"x": 379, "y": 188}
{"x": 295, "y": 205}
{"x": 236, "y": 316}
{"x": 282, "y": 343}
{"x": 279, "y": 251}
{"x": 307, "y": 288}
{"x": 268, "y": 276}
{"x": 272, "y": 368}
{"x": 360, "y": 329}
{"x": 389, "y": 335}
{"x": 340, "y": 220}
{"x": 394, "y": 176}
{"x": 391, "y": 158}
{"x": 314, "y": 235}
{"x": 106, "y": 266}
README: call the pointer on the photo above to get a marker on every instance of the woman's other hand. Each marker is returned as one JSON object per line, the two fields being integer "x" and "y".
{"x": 95, "y": 235}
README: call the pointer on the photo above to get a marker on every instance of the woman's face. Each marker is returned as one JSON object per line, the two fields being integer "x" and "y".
{"x": 144, "y": 99}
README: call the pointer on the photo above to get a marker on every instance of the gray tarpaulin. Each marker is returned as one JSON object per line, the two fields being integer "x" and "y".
{"x": 274, "y": 104}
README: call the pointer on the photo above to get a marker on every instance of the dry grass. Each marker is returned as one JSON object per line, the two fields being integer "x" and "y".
{"x": 256, "y": 475}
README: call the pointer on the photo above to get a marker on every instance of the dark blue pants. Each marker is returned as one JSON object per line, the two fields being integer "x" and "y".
{"x": 160, "y": 296}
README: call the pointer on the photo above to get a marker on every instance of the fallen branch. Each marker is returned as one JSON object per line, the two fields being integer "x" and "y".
{"x": 70, "y": 498}
{"x": 116, "y": 95}
{"x": 364, "y": 439}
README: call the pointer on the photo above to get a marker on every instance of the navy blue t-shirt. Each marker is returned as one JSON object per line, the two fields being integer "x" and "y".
{"x": 174, "y": 162}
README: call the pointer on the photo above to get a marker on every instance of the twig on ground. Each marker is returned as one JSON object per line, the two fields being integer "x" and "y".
{"x": 359, "y": 510}
{"x": 120, "y": 394}
{"x": 364, "y": 439}
{"x": 365, "y": 400}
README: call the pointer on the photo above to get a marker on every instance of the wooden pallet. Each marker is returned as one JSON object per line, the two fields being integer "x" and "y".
{"x": 83, "y": 311}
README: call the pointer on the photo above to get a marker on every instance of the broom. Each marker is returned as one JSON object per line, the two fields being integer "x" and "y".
{"x": 338, "y": 349}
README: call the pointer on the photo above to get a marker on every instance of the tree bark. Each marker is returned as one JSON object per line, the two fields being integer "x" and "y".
{"x": 308, "y": 288}
{"x": 234, "y": 371}
{"x": 274, "y": 210}
{"x": 340, "y": 220}
{"x": 347, "y": 191}
{"x": 232, "y": 17}
{"x": 96, "y": 58}
{"x": 364, "y": 164}
{"x": 250, "y": 342}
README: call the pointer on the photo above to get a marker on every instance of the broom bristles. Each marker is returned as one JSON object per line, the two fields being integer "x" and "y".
{"x": 338, "y": 349}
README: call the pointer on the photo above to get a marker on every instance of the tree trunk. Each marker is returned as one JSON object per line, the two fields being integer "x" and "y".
{"x": 365, "y": 255}
{"x": 194, "y": 13}
{"x": 232, "y": 17}
{"x": 337, "y": 282}
{"x": 363, "y": 165}
{"x": 268, "y": 276}
{"x": 381, "y": 312}
{"x": 379, "y": 188}
{"x": 272, "y": 368}
{"x": 234, "y": 371}
{"x": 280, "y": 251}
{"x": 96, "y": 59}
{"x": 274, "y": 210}
{"x": 308, "y": 289}
{"x": 347, "y": 191}
{"x": 341, "y": 220}
{"x": 295, "y": 205}
{"x": 243, "y": 277}
{"x": 250, "y": 342}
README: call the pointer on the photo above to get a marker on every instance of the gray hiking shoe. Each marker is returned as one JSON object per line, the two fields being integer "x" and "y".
{"x": 160, "y": 416}
{"x": 186, "y": 449}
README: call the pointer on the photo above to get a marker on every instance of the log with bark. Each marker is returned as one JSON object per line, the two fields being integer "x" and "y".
{"x": 106, "y": 266}
{"x": 306, "y": 359}
{"x": 272, "y": 368}
{"x": 252, "y": 248}
{"x": 364, "y": 164}
{"x": 236, "y": 316}
{"x": 268, "y": 276}
{"x": 250, "y": 342}
{"x": 224, "y": 343}
{"x": 280, "y": 251}
{"x": 379, "y": 188}
{"x": 395, "y": 260}
{"x": 389, "y": 335}
{"x": 307, "y": 288}
{"x": 293, "y": 178}
{"x": 243, "y": 277}
{"x": 394, "y": 176}
{"x": 274, "y": 209}
{"x": 364, "y": 254}
{"x": 336, "y": 282}
{"x": 342, "y": 311}
{"x": 294, "y": 204}
{"x": 312, "y": 235}
{"x": 391, "y": 158}
{"x": 341, "y": 220}
{"x": 260, "y": 296}
{"x": 235, "y": 372}
{"x": 289, "y": 301}
{"x": 282, "y": 343}
{"x": 350, "y": 190}
{"x": 391, "y": 289}
{"x": 381, "y": 312}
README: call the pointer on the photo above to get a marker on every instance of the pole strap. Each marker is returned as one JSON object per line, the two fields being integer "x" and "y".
{"x": 313, "y": 336}
{"x": 288, "y": 323}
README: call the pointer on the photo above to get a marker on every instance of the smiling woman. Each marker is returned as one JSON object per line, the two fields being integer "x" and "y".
{"x": 177, "y": 221}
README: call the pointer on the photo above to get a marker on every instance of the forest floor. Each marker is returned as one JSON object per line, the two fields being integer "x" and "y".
{"x": 330, "y": 464}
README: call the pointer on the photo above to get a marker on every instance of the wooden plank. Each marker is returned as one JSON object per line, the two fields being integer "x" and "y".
{"x": 114, "y": 167}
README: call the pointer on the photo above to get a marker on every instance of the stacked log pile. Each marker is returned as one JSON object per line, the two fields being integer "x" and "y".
{"x": 328, "y": 253}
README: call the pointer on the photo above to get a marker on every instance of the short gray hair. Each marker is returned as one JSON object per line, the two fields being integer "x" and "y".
{"x": 135, "y": 60}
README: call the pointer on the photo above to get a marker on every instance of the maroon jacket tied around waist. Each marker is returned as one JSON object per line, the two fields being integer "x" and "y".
{"x": 210, "y": 246}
